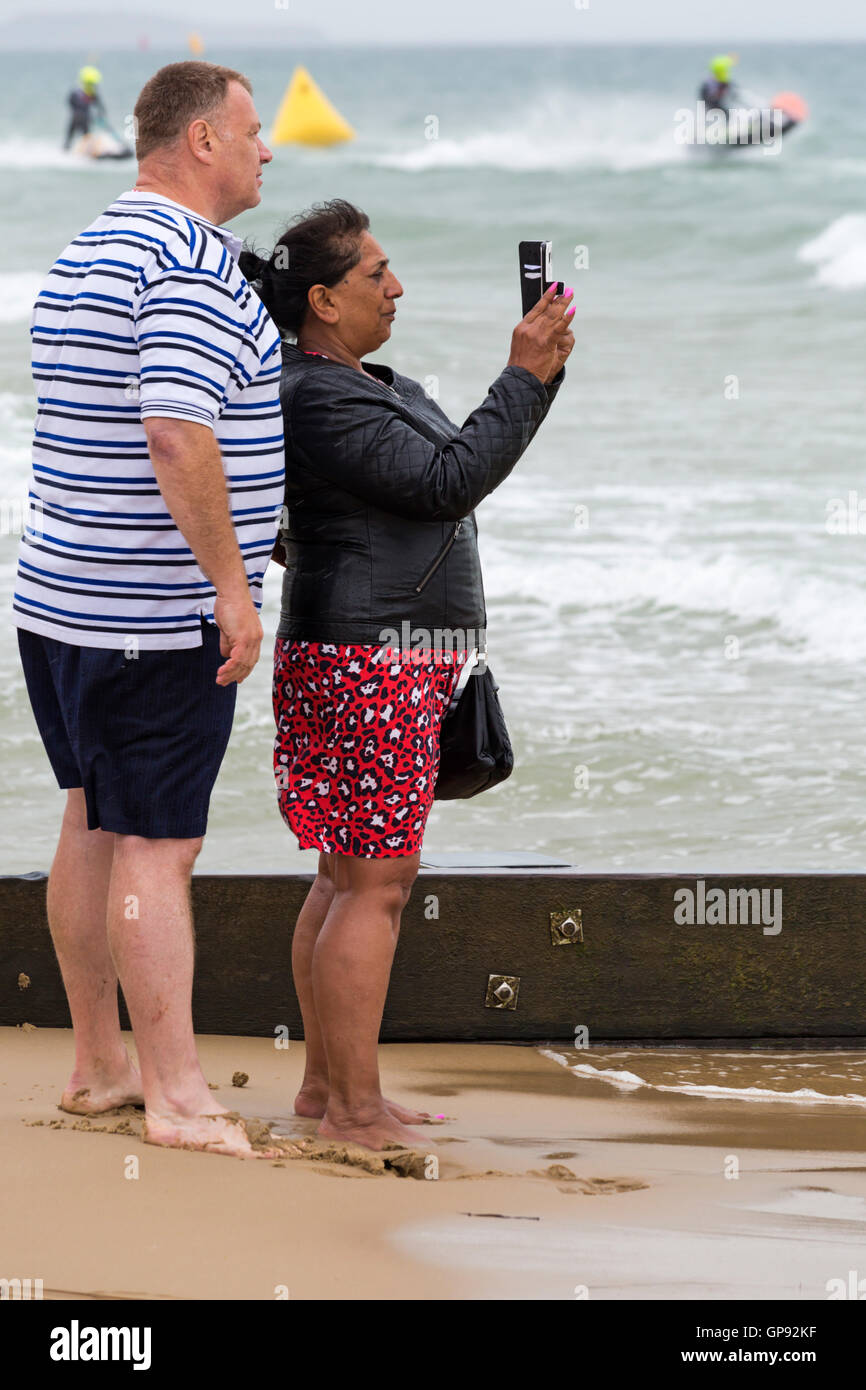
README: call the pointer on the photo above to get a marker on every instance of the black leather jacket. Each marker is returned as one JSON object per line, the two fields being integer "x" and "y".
{"x": 379, "y": 528}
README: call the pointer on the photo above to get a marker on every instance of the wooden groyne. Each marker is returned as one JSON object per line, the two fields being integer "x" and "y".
{"x": 496, "y": 953}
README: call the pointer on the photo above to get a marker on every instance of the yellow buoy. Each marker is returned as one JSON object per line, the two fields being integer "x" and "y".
{"x": 196, "y": 44}
{"x": 306, "y": 117}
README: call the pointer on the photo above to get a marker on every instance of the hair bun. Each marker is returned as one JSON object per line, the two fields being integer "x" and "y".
{"x": 253, "y": 266}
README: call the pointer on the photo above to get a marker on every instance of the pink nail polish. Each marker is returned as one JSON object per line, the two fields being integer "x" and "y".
{"x": 569, "y": 291}
{"x": 571, "y": 311}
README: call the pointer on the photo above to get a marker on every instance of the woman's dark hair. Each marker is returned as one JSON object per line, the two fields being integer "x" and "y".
{"x": 319, "y": 247}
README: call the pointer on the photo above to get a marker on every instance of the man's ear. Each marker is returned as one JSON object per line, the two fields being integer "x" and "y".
{"x": 199, "y": 137}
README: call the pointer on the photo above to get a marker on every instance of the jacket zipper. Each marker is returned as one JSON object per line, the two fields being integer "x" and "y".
{"x": 458, "y": 526}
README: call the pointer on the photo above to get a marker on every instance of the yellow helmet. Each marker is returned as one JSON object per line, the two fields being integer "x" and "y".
{"x": 721, "y": 66}
{"x": 89, "y": 77}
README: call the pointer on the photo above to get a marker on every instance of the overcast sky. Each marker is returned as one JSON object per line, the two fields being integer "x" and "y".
{"x": 453, "y": 21}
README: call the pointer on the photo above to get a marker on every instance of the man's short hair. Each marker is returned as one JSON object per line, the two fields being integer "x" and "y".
{"x": 176, "y": 95}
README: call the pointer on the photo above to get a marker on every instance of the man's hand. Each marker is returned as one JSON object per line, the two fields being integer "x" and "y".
{"x": 240, "y": 637}
{"x": 189, "y": 472}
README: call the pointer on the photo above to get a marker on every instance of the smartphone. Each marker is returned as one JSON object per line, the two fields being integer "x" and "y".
{"x": 535, "y": 272}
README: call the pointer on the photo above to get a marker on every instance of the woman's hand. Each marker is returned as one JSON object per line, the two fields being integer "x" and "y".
{"x": 563, "y": 351}
{"x": 542, "y": 340}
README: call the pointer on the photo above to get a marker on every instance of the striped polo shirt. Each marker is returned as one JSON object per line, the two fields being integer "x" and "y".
{"x": 146, "y": 313}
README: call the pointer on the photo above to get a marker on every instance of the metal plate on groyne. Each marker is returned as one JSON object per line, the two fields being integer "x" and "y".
{"x": 641, "y": 956}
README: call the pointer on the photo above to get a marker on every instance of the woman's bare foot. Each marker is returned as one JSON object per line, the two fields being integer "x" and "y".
{"x": 311, "y": 1103}
{"x": 411, "y": 1117}
{"x": 103, "y": 1088}
{"x": 219, "y": 1132}
{"x": 374, "y": 1129}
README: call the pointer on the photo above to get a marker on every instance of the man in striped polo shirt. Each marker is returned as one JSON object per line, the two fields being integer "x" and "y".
{"x": 157, "y": 481}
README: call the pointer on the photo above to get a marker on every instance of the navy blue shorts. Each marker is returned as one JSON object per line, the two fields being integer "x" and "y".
{"x": 144, "y": 737}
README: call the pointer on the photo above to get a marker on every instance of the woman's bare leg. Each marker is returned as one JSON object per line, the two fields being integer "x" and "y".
{"x": 312, "y": 1099}
{"x": 351, "y": 967}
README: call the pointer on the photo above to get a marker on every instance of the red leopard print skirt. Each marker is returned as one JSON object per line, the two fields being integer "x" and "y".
{"x": 357, "y": 745}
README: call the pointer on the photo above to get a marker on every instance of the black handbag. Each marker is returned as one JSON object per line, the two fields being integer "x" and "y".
{"x": 474, "y": 748}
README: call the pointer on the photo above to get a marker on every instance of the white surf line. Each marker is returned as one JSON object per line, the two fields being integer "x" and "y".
{"x": 628, "y": 1081}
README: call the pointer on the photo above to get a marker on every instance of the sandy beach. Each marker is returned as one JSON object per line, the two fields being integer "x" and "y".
{"x": 550, "y": 1186}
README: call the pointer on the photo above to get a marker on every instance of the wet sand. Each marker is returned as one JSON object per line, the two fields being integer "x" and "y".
{"x": 549, "y": 1185}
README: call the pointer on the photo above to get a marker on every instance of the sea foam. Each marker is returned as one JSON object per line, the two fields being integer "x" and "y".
{"x": 629, "y": 1081}
{"x": 839, "y": 253}
{"x": 18, "y": 290}
{"x": 557, "y": 133}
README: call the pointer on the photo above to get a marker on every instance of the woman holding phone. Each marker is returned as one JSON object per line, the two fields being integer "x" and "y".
{"x": 380, "y": 489}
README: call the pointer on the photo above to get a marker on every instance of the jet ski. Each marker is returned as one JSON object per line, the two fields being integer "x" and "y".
{"x": 762, "y": 123}
{"x": 742, "y": 125}
{"x": 101, "y": 143}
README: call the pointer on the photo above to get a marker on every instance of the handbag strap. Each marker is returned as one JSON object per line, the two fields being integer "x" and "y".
{"x": 468, "y": 666}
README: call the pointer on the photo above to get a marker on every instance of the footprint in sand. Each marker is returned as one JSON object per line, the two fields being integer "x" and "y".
{"x": 331, "y": 1158}
{"x": 406, "y": 1163}
{"x": 587, "y": 1187}
{"x": 125, "y": 1120}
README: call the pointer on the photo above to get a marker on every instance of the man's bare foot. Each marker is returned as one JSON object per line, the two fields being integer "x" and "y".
{"x": 102, "y": 1089}
{"x": 374, "y": 1130}
{"x": 311, "y": 1104}
{"x": 219, "y": 1132}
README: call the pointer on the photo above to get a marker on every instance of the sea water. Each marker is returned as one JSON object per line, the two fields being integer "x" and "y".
{"x": 674, "y": 571}
{"x": 811, "y": 1075}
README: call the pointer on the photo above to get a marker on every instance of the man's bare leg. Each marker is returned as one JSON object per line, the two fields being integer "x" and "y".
{"x": 151, "y": 937}
{"x": 312, "y": 1099}
{"x": 103, "y": 1076}
{"x": 350, "y": 971}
